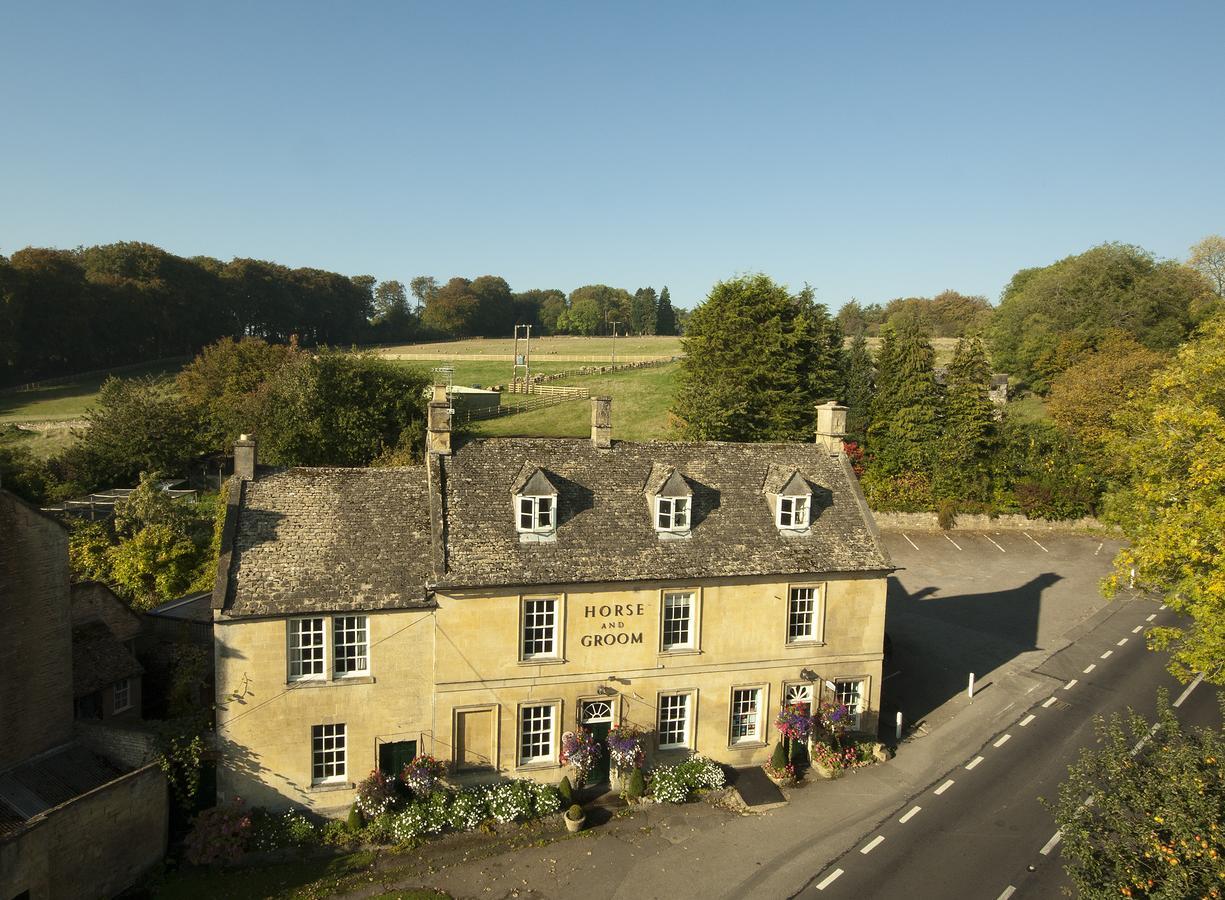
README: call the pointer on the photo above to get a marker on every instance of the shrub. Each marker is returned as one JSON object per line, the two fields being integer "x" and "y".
{"x": 511, "y": 800}
{"x": 778, "y": 760}
{"x": 637, "y": 785}
{"x": 668, "y": 785}
{"x": 701, "y": 773}
{"x": 376, "y": 794}
{"x": 566, "y": 790}
{"x": 337, "y": 833}
{"x": 354, "y": 822}
{"x": 946, "y": 515}
{"x": 437, "y": 812}
{"x": 410, "y": 823}
{"x": 575, "y": 813}
{"x": 378, "y": 830}
{"x": 422, "y": 774}
{"x": 548, "y": 800}
{"x": 219, "y": 835}
{"x": 469, "y": 809}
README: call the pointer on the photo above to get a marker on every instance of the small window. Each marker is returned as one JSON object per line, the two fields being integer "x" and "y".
{"x": 793, "y": 512}
{"x": 350, "y": 646}
{"x": 122, "y": 696}
{"x": 328, "y": 754}
{"x": 798, "y": 692}
{"x": 539, "y": 628}
{"x": 802, "y": 610}
{"x": 535, "y": 734}
{"x": 536, "y": 515}
{"x": 678, "y": 621}
{"x": 673, "y": 724}
{"x": 305, "y": 649}
{"x": 672, "y": 513}
{"x": 850, "y": 695}
{"x": 746, "y": 715}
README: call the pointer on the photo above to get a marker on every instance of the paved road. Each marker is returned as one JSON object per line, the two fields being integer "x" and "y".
{"x": 979, "y": 830}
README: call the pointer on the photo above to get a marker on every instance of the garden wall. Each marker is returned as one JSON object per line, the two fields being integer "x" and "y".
{"x": 927, "y": 521}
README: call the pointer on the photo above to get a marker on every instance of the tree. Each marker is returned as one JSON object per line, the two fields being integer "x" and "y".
{"x": 1170, "y": 454}
{"x": 390, "y": 301}
{"x": 851, "y": 318}
{"x": 665, "y": 317}
{"x": 453, "y": 309}
{"x": 495, "y": 314}
{"x": 643, "y": 310}
{"x": 758, "y": 359}
{"x": 860, "y": 388}
{"x": 612, "y": 304}
{"x": 1152, "y": 827}
{"x": 1208, "y": 258}
{"x": 968, "y": 434}
{"x": 584, "y": 317}
{"x": 424, "y": 287}
{"x": 905, "y": 426}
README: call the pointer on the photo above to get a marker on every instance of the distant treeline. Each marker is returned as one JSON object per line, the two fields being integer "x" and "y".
{"x": 68, "y": 311}
{"x": 948, "y": 314}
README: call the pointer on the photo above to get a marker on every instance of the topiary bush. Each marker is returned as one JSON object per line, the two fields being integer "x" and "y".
{"x": 778, "y": 759}
{"x": 566, "y": 790}
{"x": 575, "y": 813}
{"x": 354, "y": 821}
{"x": 637, "y": 786}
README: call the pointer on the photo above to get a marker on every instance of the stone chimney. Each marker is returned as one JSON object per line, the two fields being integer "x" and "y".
{"x": 601, "y": 422}
{"x": 244, "y": 457}
{"x": 438, "y": 426}
{"x": 440, "y": 394}
{"x": 831, "y": 425}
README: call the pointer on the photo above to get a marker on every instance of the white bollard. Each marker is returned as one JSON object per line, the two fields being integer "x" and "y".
{"x": 899, "y": 726}
{"x": 970, "y": 689}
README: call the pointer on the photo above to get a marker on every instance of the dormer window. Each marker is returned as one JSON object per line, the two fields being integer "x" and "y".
{"x": 672, "y": 513}
{"x": 793, "y": 512}
{"x": 536, "y": 515}
{"x": 791, "y": 495}
{"x": 672, "y": 500}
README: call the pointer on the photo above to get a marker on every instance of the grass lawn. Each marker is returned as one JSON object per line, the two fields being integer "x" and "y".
{"x": 648, "y": 345}
{"x": 1028, "y": 408}
{"x": 477, "y": 372}
{"x": 42, "y": 444}
{"x": 65, "y": 401}
{"x": 641, "y": 398}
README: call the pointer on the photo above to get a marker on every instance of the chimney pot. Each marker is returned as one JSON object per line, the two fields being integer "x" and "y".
{"x": 440, "y": 394}
{"x": 245, "y": 457}
{"x": 601, "y": 422}
{"x": 831, "y": 425}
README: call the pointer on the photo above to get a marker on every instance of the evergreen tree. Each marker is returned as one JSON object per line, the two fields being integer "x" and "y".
{"x": 969, "y": 426}
{"x": 643, "y": 310}
{"x": 906, "y": 419}
{"x": 860, "y": 388}
{"x": 665, "y": 317}
{"x": 758, "y": 360}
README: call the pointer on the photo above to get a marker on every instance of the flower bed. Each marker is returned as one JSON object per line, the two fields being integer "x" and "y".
{"x": 675, "y": 784}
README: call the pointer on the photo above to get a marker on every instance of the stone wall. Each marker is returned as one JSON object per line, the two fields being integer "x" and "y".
{"x": 36, "y": 653}
{"x": 94, "y": 846}
{"x": 94, "y": 600}
{"x": 132, "y": 744}
{"x": 927, "y": 521}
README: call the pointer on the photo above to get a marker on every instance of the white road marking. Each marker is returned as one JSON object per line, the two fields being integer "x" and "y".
{"x": 1099, "y": 548}
{"x": 953, "y": 542}
{"x": 1120, "y": 643}
{"x": 1187, "y": 693}
{"x": 829, "y": 879}
{"x": 1071, "y": 684}
{"x": 1136, "y": 749}
{"x": 975, "y": 761}
{"x": 1107, "y": 654}
{"x": 910, "y": 815}
{"x": 1008, "y": 892}
{"x": 1049, "y": 701}
{"x": 1137, "y": 629}
{"x": 872, "y": 844}
{"x": 944, "y": 787}
{"x": 1028, "y": 535}
{"x": 1150, "y": 618}
{"x": 916, "y": 546}
{"x": 1051, "y": 844}
{"x": 1002, "y": 741}
{"x": 1089, "y": 668}
{"x": 1028, "y": 719}
{"x": 1162, "y": 606}
{"x": 997, "y": 546}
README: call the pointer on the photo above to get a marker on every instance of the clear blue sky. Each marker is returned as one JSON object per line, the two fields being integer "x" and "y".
{"x": 873, "y": 150}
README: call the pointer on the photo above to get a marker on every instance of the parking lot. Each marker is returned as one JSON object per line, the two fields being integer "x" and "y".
{"x": 984, "y": 602}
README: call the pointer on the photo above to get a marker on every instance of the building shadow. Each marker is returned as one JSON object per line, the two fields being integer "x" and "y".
{"x": 936, "y": 642}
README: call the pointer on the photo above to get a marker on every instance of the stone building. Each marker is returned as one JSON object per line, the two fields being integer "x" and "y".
{"x": 105, "y": 673}
{"x": 481, "y": 605}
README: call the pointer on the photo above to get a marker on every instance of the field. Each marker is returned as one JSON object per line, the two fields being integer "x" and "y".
{"x": 542, "y": 348}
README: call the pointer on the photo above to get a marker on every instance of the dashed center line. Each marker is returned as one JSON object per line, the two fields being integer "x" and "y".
{"x": 829, "y": 879}
{"x": 910, "y": 815}
{"x": 1137, "y": 629}
{"x": 1049, "y": 701}
{"x": 1099, "y": 548}
{"x": 1150, "y": 618}
{"x": 1107, "y": 654}
{"x": 944, "y": 787}
{"x": 975, "y": 761}
{"x": 1121, "y": 642}
{"x": 1028, "y": 719}
{"x": 916, "y": 546}
{"x": 872, "y": 844}
{"x": 1162, "y": 606}
{"x": 1031, "y": 537}
{"x": 1008, "y": 892}
{"x": 1070, "y": 685}
{"x": 997, "y": 546}
{"x": 1002, "y": 741}
{"x": 953, "y": 542}
{"x": 1051, "y": 844}
{"x": 1187, "y": 693}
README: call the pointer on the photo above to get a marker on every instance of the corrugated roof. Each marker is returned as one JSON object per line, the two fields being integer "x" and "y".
{"x": 48, "y": 780}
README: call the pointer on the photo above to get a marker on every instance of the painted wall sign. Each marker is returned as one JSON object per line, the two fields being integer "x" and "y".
{"x": 612, "y": 631}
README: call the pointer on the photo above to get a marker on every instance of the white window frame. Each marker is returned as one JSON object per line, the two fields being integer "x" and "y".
{"x": 686, "y": 721}
{"x": 329, "y": 750}
{"x": 691, "y": 621}
{"x": 800, "y": 687}
{"x": 541, "y": 521}
{"x": 116, "y": 705}
{"x": 793, "y": 511}
{"x": 361, "y": 645}
{"x": 548, "y": 742}
{"x": 758, "y": 697}
{"x": 816, "y": 615}
{"x": 666, "y": 513}
{"x": 860, "y": 688}
{"x": 297, "y": 671}
{"x": 527, "y": 620}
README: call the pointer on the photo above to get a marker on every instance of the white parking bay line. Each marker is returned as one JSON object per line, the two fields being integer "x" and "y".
{"x": 1089, "y": 668}
{"x": 1137, "y": 629}
{"x": 916, "y": 546}
{"x": 1121, "y": 642}
{"x": 997, "y": 546}
{"x": 1008, "y": 892}
{"x": 910, "y": 815}
{"x": 1031, "y": 537}
{"x": 1028, "y": 719}
{"x": 953, "y": 542}
{"x": 944, "y": 787}
{"x": 1150, "y": 618}
{"x": 1070, "y": 685}
{"x": 871, "y": 845}
{"x": 1050, "y": 845}
{"x": 1048, "y": 703}
{"x": 974, "y": 762}
{"x": 829, "y": 879}
{"x": 1002, "y": 741}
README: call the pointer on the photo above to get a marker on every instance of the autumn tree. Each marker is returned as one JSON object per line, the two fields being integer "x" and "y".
{"x": 1170, "y": 453}
{"x": 1208, "y": 258}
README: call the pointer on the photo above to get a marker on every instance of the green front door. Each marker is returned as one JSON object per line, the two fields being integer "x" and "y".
{"x": 393, "y": 757}
{"x": 596, "y": 717}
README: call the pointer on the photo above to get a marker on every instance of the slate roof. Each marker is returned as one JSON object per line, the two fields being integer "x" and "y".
{"x": 329, "y": 540}
{"x": 99, "y": 658}
{"x": 605, "y": 530}
{"x": 48, "y": 780}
